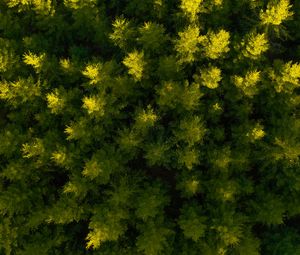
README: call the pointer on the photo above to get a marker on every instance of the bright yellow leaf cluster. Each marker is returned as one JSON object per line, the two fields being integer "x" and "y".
{"x": 248, "y": 83}
{"x": 92, "y": 72}
{"x": 94, "y": 105}
{"x": 96, "y": 237}
{"x": 216, "y": 44}
{"x": 211, "y": 77}
{"x": 135, "y": 63}
{"x": 121, "y": 32}
{"x": 55, "y": 102}
{"x": 59, "y": 157}
{"x": 36, "y": 61}
{"x": 276, "y": 12}
{"x": 191, "y": 8}
{"x": 146, "y": 118}
{"x": 257, "y": 133}
{"x": 40, "y": 6}
{"x": 187, "y": 44}
{"x": 288, "y": 79}
{"x": 291, "y": 73}
{"x": 76, "y": 4}
{"x": 34, "y": 148}
{"x": 254, "y": 45}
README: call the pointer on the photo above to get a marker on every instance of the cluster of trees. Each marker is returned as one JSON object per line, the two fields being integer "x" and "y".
{"x": 149, "y": 127}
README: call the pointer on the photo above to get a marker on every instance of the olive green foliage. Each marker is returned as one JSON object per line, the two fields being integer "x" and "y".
{"x": 149, "y": 127}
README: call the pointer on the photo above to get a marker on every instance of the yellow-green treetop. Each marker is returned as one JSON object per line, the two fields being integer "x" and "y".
{"x": 149, "y": 127}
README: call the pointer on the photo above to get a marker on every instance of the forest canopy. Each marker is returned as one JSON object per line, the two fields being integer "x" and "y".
{"x": 149, "y": 127}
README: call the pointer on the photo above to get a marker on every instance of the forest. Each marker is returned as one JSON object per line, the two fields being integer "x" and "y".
{"x": 149, "y": 127}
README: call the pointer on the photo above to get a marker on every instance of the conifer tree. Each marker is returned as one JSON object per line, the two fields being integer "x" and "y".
{"x": 154, "y": 127}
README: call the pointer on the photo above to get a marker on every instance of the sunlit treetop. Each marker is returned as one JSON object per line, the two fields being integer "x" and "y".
{"x": 191, "y": 8}
{"x": 276, "y": 12}
{"x": 256, "y": 133}
{"x": 36, "y": 61}
{"x": 146, "y": 118}
{"x": 122, "y": 32}
{"x": 59, "y": 156}
{"x": 135, "y": 63}
{"x": 156, "y": 153}
{"x": 248, "y": 83}
{"x": 254, "y": 45}
{"x": 43, "y": 7}
{"x": 191, "y": 130}
{"x": 55, "y": 101}
{"x": 94, "y": 105}
{"x": 172, "y": 95}
{"x": 76, "y": 4}
{"x": 187, "y": 45}
{"x": 7, "y": 55}
{"x": 216, "y": 44}
{"x": 287, "y": 78}
{"x": 150, "y": 127}
{"x": 32, "y": 149}
{"x": 210, "y": 77}
{"x": 20, "y": 91}
{"x": 92, "y": 72}
{"x": 218, "y": 2}
{"x": 66, "y": 64}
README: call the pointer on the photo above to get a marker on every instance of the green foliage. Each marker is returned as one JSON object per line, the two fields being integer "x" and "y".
{"x": 106, "y": 225}
{"x": 40, "y": 6}
{"x": 156, "y": 153}
{"x": 248, "y": 246}
{"x": 101, "y": 165}
{"x": 285, "y": 241}
{"x": 188, "y": 157}
{"x": 173, "y": 95}
{"x": 191, "y": 130}
{"x": 122, "y": 33}
{"x": 8, "y": 56}
{"x": 269, "y": 210}
{"x": 154, "y": 238}
{"x": 76, "y": 4}
{"x": 192, "y": 222}
{"x": 19, "y": 91}
{"x": 154, "y": 127}
{"x": 145, "y": 118}
{"x": 152, "y": 36}
{"x": 151, "y": 202}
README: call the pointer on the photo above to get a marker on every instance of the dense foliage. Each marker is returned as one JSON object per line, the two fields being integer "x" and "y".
{"x": 149, "y": 127}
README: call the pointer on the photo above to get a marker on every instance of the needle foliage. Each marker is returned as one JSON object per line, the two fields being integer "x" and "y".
{"x": 149, "y": 127}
